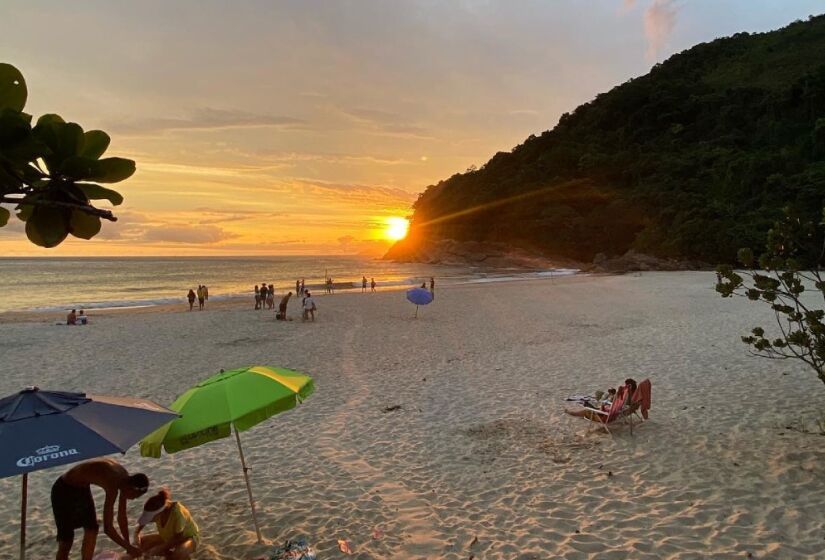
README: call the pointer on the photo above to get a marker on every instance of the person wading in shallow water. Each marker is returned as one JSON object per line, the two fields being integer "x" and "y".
{"x": 74, "y": 507}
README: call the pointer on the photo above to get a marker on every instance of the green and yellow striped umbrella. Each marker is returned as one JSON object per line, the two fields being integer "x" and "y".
{"x": 240, "y": 399}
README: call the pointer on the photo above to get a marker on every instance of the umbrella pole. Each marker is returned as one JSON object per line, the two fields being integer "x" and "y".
{"x": 248, "y": 486}
{"x": 23, "y": 502}
{"x": 416, "y": 312}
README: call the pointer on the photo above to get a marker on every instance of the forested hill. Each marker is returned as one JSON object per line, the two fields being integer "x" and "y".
{"x": 693, "y": 160}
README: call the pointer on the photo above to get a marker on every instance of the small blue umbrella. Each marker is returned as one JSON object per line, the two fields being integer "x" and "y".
{"x": 419, "y": 296}
{"x": 43, "y": 429}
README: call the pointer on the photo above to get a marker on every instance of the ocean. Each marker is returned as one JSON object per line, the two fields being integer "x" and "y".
{"x": 57, "y": 284}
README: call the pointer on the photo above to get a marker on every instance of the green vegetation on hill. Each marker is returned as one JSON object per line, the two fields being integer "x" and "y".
{"x": 693, "y": 160}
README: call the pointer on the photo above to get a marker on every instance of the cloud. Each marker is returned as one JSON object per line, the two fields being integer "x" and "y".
{"x": 363, "y": 247}
{"x": 660, "y": 18}
{"x": 385, "y": 123}
{"x": 187, "y": 234}
{"x": 207, "y": 118}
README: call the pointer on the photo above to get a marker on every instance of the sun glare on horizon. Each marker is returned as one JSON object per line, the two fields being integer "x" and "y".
{"x": 396, "y": 228}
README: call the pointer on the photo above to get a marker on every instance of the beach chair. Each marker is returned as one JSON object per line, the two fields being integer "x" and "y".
{"x": 625, "y": 407}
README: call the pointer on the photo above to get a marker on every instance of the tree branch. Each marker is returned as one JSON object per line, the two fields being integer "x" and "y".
{"x": 91, "y": 210}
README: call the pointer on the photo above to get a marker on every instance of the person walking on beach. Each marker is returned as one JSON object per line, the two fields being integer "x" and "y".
{"x": 74, "y": 507}
{"x": 309, "y": 307}
{"x": 205, "y": 292}
{"x": 372, "y": 284}
{"x": 264, "y": 295}
{"x": 432, "y": 286}
{"x": 303, "y": 286}
{"x": 257, "y": 297}
{"x": 364, "y": 285}
{"x": 282, "y": 307}
{"x": 191, "y": 297}
{"x": 201, "y": 297}
{"x": 298, "y": 287}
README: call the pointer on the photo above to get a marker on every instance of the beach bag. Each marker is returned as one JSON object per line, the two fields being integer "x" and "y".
{"x": 293, "y": 550}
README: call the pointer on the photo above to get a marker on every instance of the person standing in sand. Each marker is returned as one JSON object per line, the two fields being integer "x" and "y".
{"x": 191, "y": 297}
{"x": 74, "y": 506}
{"x": 372, "y": 284}
{"x": 264, "y": 295}
{"x": 201, "y": 297}
{"x": 205, "y": 292}
{"x": 309, "y": 307}
{"x": 270, "y": 297}
{"x": 257, "y": 297}
{"x": 363, "y": 284}
{"x": 282, "y": 307}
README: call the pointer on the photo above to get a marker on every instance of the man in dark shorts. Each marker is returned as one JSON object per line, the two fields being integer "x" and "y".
{"x": 282, "y": 307}
{"x": 74, "y": 507}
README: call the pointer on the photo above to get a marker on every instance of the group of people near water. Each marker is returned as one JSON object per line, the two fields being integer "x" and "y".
{"x": 176, "y": 537}
{"x": 73, "y": 318}
{"x": 202, "y": 295}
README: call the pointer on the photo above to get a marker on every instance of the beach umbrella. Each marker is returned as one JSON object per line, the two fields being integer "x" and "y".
{"x": 43, "y": 429}
{"x": 239, "y": 399}
{"x": 419, "y": 296}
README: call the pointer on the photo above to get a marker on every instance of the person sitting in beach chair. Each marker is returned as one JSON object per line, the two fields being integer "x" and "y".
{"x": 630, "y": 400}
{"x": 178, "y": 535}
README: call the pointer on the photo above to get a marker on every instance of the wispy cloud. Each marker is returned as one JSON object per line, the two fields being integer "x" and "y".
{"x": 660, "y": 19}
{"x": 186, "y": 234}
{"x": 386, "y": 123}
{"x": 206, "y": 118}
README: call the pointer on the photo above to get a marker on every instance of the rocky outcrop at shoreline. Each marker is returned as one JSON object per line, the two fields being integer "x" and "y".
{"x": 476, "y": 254}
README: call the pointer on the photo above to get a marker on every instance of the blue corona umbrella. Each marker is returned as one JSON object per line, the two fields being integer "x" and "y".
{"x": 43, "y": 429}
{"x": 419, "y": 296}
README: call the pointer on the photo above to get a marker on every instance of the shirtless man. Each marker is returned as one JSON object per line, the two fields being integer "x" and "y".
{"x": 74, "y": 507}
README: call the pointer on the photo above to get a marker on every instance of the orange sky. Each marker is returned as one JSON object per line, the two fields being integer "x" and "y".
{"x": 278, "y": 127}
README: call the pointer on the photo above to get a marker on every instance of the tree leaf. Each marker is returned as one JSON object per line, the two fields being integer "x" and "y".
{"x": 112, "y": 170}
{"x": 83, "y": 225}
{"x": 47, "y": 227}
{"x": 97, "y": 192}
{"x": 4, "y": 216}
{"x": 77, "y": 167}
{"x": 13, "y": 92}
{"x": 95, "y": 144}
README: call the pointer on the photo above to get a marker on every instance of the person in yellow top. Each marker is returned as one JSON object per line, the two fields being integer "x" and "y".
{"x": 177, "y": 537}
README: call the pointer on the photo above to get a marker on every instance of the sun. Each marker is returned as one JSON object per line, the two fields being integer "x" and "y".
{"x": 396, "y": 228}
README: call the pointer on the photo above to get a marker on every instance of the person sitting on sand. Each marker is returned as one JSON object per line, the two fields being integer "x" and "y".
{"x": 177, "y": 537}
{"x": 71, "y": 318}
{"x": 74, "y": 507}
{"x": 82, "y": 318}
{"x": 191, "y": 297}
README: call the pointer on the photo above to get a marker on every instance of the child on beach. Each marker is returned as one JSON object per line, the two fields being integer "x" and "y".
{"x": 309, "y": 307}
{"x": 178, "y": 535}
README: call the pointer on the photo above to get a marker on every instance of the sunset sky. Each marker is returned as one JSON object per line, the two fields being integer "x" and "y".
{"x": 300, "y": 127}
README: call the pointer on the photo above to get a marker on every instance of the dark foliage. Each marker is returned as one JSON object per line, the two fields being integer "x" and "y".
{"x": 49, "y": 172}
{"x": 693, "y": 160}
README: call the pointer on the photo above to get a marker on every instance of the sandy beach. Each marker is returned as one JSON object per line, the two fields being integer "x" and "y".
{"x": 479, "y": 461}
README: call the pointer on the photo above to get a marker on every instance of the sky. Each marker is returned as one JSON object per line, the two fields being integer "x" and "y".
{"x": 301, "y": 127}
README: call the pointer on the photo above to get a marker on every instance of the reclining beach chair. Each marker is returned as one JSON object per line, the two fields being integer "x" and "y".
{"x": 625, "y": 407}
